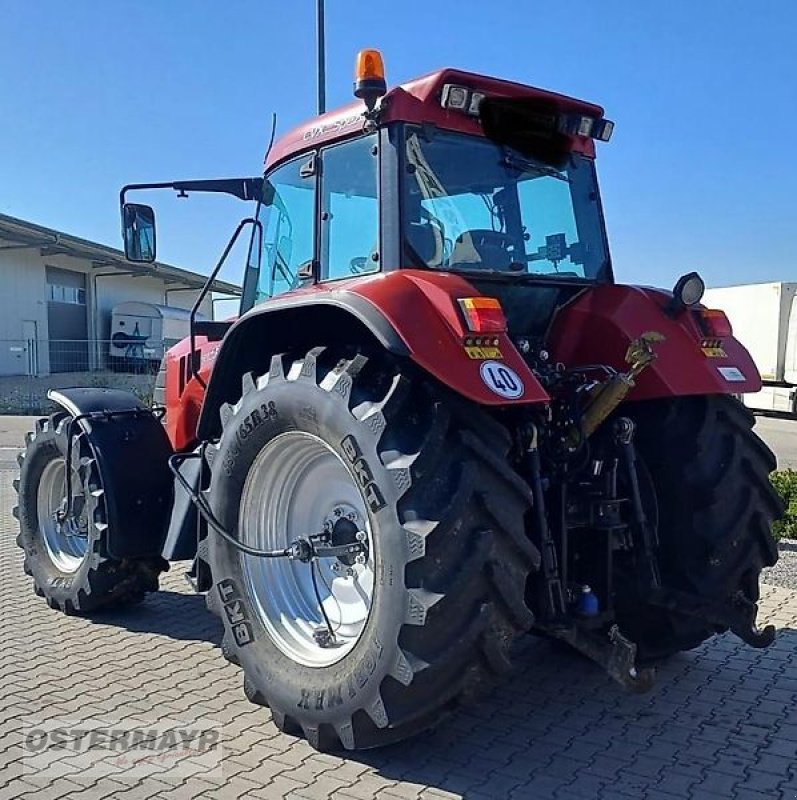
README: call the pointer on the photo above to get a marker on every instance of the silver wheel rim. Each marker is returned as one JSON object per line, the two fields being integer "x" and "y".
{"x": 66, "y": 541}
{"x": 298, "y": 486}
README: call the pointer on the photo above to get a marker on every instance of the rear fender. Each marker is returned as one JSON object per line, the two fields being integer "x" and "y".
{"x": 132, "y": 452}
{"x": 421, "y": 305}
{"x": 597, "y": 326}
{"x": 410, "y": 313}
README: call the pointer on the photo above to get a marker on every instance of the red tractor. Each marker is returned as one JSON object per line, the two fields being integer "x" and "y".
{"x": 437, "y": 424}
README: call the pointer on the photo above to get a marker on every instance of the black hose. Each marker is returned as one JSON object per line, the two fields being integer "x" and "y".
{"x": 211, "y": 520}
{"x": 318, "y": 600}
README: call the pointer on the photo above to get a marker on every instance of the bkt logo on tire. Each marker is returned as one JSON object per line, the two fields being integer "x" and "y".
{"x": 235, "y": 611}
{"x": 363, "y": 474}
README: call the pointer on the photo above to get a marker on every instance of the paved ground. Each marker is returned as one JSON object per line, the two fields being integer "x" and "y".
{"x": 781, "y": 435}
{"x": 721, "y": 722}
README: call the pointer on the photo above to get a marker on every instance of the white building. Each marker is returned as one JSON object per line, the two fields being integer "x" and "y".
{"x": 57, "y": 292}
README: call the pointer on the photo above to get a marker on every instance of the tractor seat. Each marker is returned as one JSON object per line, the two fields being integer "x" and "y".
{"x": 426, "y": 241}
{"x": 491, "y": 249}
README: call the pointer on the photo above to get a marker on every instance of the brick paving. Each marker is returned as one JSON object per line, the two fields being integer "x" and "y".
{"x": 720, "y": 723}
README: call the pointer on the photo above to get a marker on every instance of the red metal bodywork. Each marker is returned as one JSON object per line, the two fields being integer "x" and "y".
{"x": 597, "y": 326}
{"x": 184, "y": 394}
{"x": 419, "y": 101}
{"x": 422, "y": 306}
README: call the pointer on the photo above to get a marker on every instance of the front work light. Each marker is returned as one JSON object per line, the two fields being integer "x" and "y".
{"x": 369, "y": 77}
{"x": 483, "y": 314}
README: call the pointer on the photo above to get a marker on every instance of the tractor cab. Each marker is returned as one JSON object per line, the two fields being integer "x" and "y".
{"x": 452, "y": 172}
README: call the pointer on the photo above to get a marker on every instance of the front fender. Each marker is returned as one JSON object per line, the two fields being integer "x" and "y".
{"x": 597, "y": 326}
{"x": 132, "y": 452}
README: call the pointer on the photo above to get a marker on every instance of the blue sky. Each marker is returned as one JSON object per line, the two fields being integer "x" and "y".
{"x": 701, "y": 172}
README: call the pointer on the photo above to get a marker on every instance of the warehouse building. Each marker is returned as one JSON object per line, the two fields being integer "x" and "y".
{"x": 57, "y": 293}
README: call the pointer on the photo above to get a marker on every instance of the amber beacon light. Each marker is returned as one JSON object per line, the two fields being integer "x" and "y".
{"x": 369, "y": 77}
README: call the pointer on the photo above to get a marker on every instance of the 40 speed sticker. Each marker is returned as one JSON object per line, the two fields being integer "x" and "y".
{"x": 501, "y": 380}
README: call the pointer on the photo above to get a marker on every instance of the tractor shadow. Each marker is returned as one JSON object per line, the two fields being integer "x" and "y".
{"x": 172, "y": 614}
{"x": 558, "y": 727}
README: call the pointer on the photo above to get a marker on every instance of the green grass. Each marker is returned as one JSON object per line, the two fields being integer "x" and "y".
{"x": 785, "y": 483}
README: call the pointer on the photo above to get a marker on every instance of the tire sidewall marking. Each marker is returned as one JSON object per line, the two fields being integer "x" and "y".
{"x": 345, "y": 686}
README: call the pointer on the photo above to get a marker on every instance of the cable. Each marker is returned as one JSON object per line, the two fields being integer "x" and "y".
{"x": 208, "y": 516}
{"x": 332, "y": 595}
{"x": 318, "y": 600}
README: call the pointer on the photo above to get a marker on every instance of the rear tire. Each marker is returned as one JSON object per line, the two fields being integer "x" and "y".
{"x": 72, "y": 570}
{"x": 716, "y": 507}
{"x": 450, "y": 554}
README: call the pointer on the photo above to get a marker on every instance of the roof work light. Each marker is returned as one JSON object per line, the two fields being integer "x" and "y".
{"x": 688, "y": 291}
{"x": 460, "y": 98}
{"x": 580, "y": 125}
{"x": 369, "y": 77}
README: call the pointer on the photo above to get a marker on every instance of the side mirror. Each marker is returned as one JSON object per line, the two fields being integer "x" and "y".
{"x": 138, "y": 230}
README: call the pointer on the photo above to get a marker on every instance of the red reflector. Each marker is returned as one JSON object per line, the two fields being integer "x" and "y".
{"x": 483, "y": 314}
{"x": 715, "y": 323}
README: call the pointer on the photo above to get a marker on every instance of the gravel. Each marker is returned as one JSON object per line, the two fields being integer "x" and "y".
{"x": 784, "y": 573}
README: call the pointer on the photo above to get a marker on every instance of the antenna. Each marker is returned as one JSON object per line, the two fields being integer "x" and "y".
{"x": 271, "y": 139}
{"x": 322, "y": 78}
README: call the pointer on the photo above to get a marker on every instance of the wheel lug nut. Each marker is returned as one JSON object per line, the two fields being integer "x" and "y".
{"x": 360, "y": 559}
{"x": 360, "y": 536}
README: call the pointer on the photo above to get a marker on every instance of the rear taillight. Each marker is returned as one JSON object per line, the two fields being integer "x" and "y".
{"x": 715, "y": 323}
{"x": 483, "y": 314}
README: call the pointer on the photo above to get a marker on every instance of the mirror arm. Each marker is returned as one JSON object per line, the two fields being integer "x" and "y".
{"x": 195, "y": 360}
{"x": 242, "y": 188}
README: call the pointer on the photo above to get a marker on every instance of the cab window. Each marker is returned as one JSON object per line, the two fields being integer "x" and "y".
{"x": 287, "y": 215}
{"x": 349, "y": 209}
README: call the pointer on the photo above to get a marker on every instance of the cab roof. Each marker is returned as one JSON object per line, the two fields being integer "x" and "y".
{"x": 418, "y": 101}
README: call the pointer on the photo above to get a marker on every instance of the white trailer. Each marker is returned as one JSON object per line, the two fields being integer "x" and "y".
{"x": 142, "y": 332}
{"x": 764, "y": 320}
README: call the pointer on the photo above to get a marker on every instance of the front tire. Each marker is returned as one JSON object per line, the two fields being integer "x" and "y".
{"x": 69, "y": 561}
{"x": 716, "y": 508}
{"x": 448, "y": 554}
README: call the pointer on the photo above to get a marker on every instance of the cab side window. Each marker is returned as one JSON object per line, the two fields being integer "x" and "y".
{"x": 288, "y": 218}
{"x": 349, "y": 209}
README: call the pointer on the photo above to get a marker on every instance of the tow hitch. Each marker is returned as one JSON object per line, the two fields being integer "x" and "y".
{"x": 614, "y": 652}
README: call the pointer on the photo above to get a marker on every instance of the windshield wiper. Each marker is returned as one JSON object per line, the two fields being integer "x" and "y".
{"x": 514, "y": 160}
{"x": 510, "y": 273}
{"x": 514, "y": 276}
